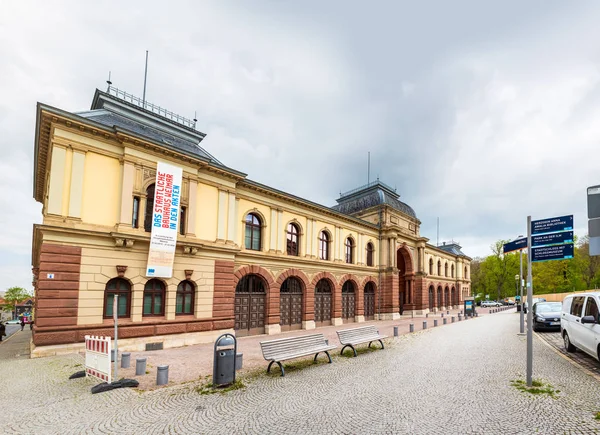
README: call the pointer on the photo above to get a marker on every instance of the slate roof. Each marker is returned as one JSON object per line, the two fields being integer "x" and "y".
{"x": 371, "y": 195}
{"x": 116, "y": 112}
{"x": 112, "y": 119}
{"x": 452, "y": 248}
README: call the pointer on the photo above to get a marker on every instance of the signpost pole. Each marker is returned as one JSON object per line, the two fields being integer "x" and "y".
{"x": 529, "y": 307}
{"x": 522, "y": 316}
{"x": 115, "y": 317}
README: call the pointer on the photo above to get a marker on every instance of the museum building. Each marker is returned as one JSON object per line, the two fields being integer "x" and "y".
{"x": 248, "y": 258}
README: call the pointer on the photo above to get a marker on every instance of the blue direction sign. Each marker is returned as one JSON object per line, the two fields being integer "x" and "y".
{"x": 552, "y": 239}
{"x": 556, "y": 252}
{"x": 515, "y": 245}
{"x": 552, "y": 225}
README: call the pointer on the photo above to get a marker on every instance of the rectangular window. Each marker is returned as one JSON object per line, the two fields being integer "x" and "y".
{"x": 182, "y": 221}
{"x": 591, "y": 309}
{"x": 577, "y": 306}
{"x": 136, "y": 212}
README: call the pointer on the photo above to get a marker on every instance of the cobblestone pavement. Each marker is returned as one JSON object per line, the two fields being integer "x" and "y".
{"x": 580, "y": 357}
{"x": 447, "y": 380}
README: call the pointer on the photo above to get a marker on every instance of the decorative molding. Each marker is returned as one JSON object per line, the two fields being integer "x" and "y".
{"x": 190, "y": 250}
{"x": 188, "y": 274}
{"x": 121, "y": 242}
{"x": 121, "y": 270}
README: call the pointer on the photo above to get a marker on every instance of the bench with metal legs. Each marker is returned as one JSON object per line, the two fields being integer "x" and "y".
{"x": 283, "y": 349}
{"x": 364, "y": 334}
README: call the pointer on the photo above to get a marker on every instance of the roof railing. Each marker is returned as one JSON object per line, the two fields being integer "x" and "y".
{"x": 130, "y": 98}
{"x": 366, "y": 186}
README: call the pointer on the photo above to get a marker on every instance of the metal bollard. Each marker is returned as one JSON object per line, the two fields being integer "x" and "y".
{"x": 112, "y": 355}
{"x": 435, "y": 322}
{"x": 452, "y": 319}
{"x": 425, "y": 325}
{"x": 140, "y": 366}
{"x": 125, "y": 360}
{"x": 411, "y": 327}
{"x": 162, "y": 375}
{"x": 459, "y": 317}
{"x": 426, "y": 315}
{"x": 445, "y": 321}
{"x": 476, "y": 314}
{"x": 395, "y": 331}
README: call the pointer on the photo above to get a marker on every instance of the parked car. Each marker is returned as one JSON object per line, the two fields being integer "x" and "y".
{"x": 509, "y": 302}
{"x": 546, "y": 315}
{"x": 534, "y": 301}
{"x": 579, "y": 323}
{"x": 488, "y": 304}
{"x": 12, "y": 322}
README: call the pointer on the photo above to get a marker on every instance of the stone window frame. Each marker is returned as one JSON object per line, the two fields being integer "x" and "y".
{"x": 289, "y": 234}
{"x": 191, "y": 293}
{"x": 324, "y": 245}
{"x": 162, "y": 292}
{"x": 119, "y": 292}
{"x": 370, "y": 254}
{"x": 255, "y": 228}
{"x": 349, "y": 246}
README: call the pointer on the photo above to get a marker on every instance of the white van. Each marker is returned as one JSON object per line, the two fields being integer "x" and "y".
{"x": 580, "y": 324}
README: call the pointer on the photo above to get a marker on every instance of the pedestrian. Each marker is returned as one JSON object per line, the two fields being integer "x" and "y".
{"x": 22, "y": 323}
{"x": 2, "y": 330}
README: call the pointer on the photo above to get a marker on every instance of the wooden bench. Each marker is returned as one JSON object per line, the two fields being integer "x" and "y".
{"x": 283, "y": 349}
{"x": 352, "y": 337}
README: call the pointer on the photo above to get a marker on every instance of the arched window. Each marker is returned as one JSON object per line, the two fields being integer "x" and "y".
{"x": 149, "y": 208}
{"x": 292, "y": 239}
{"x": 466, "y": 275}
{"x": 452, "y": 271}
{"x": 184, "y": 303}
{"x": 445, "y": 269}
{"x": 431, "y": 266}
{"x": 253, "y": 226}
{"x": 324, "y": 246}
{"x": 370, "y": 250}
{"x": 349, "y": 250}
{"x": 439, "y": 268}
{"x": 154, "y": 297}
{"x": 121, "y": 288}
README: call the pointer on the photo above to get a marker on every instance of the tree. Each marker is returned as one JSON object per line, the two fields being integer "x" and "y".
{"x": 14, "y": 295}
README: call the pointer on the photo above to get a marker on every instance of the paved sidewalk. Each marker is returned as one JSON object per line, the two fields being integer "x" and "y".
{"x": 450, "y": 380}
{"x": 17, "y": 346}
{"x": 192, "y": 362}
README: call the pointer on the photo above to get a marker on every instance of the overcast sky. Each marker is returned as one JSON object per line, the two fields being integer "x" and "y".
{"x": 479, "y": 113}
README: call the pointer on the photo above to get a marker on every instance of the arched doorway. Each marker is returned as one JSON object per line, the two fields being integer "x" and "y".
{"x": 447, "y": 297}
{"x": 290, "y": 304}
{"x": 439, "y": 298}
{"x": 250, "y": 297}
{"x": 431, "y": 298}
{"x": 348, "y": 301}
{"x": 369, "y": 301}
{"x": 323, "y": 303}
{"x": 405, "y": 273}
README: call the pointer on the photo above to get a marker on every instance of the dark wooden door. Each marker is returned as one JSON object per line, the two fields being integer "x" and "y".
{"x": 348, "y": 301}
{"x": 369, "y": 305}
{"x": 322, "y": 309}
{"x": 249, "y": 306}
{"x": 290, "y": 305}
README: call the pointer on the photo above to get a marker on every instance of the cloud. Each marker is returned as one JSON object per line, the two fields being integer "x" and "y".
{"x": 479, "y": 113}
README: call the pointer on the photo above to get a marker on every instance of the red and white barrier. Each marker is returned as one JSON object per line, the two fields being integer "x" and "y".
{"x": 97, "y": 357}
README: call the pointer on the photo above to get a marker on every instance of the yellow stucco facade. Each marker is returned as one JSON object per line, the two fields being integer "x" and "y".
{"x": 93, "y": 181}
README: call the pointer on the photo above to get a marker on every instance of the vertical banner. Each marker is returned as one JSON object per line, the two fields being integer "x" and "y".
{"x": 165, "y": 221}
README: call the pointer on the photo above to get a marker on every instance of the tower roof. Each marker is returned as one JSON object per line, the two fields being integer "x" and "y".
{"x": 370, "y": 195}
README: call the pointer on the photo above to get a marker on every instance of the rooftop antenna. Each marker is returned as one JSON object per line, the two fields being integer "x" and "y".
{"x": 195, "y": 118}
{"x": 109, "y": 82}
{"x": 145, "y": 76}
{"x": 369, "y": 169}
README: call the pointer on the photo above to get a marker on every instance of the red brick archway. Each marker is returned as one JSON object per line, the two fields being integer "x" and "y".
{"x": 358, "y": 293}
{"x": 271, "y": 288}
{"x": 337, "y": 298}
{"x": 308, "y": 296}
